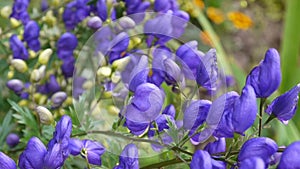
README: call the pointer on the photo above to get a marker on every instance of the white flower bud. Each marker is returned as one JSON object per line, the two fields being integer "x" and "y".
{"x": 5, "y": 12}
{"x": 35, "y": 75}
{"x": 45, "y": 115}
{"x": 120, "y": 64}
{"x": 20, "y": 65}
{"x": 104, "y": 71}
{"x": 45, "y": 56}
{"x": 126, "y": 22}
{"x": 14, "y": 23}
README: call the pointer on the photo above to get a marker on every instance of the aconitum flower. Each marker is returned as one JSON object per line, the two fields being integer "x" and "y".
{"x": 18, "y": 49}
{"x": 137, "y": 7}
{"x": 6, "y": 162}
{"x": 139, "y": 74}
{"x": 102, "y": 9}
{"x": 245, "y": 109}
{"x": 129, "y": 158}
{"x": 31, "y": 35}
{"x": 94, "y": 22}
{"x": 118, "y": 46}
{"x": 194, "y": 116}
{"x": 144, "y": 108}
{"x": 75, "y": 12}
{"x": 284, "y": 106}
{"x": 50, "y": 87}
{"x": 199, "y": 66}
{"x": 260, "y": 147}
{"x": 89, "y": 149}
{"x": 216, "y": 147}
{"x": 266, "y": 77}
{"x": 58, "y": 98}
{"x": 165, "y": 5}
{"x": 201, "y": 159}
{"x": 12, "y": 140}
{"x": 19, "y": 11}
{"x": 289, "y": 158}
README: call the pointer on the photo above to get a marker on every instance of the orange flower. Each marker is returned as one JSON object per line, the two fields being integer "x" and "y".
{"x": 215, "y": 15}
{"x": 240, "y": 20}
{"x": 199, "y": 3}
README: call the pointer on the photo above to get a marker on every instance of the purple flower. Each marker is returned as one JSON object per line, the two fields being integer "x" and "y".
{"x": 139, "y": 74}
{"x": 19, "y": 11}
{"x": 102, "y": 9}
{"x": 253, "y": 163}
{"x": 118, "y": 47}
{"x": 217, "y": 146}
{"x": 12, "y": 140}
{"x": 44, "y": 5}
{"x": 6, "y": 162}
{"x": 15, "y": 85}
{"x": 245, "y": 109}
{"x": 68, "y": 67}
{"x": 194, "y": 116}
{"x": 144, "y": 108}
{"x": 165, "y": 5}
{"x": 289, "y": 158}
{"x": 50, "y": 87}
{"x": 78, "y": 86}
{"x": 18, "y": 48}
{"x": 284, "y": 106}
{"x": 201, "y": 159}
{"x": 33, "y": 155}
{"x": 266, "y": 77}
{"x": 58, "y": 98}
{"x": 261, "y": 147}
{"x": 129, "y": 158}
{"x": 75, "y": 12}
{"x": 65, "y": 45}
{"x": 137, "y": 7}
{"x": 91, "y": 150}
{"x": 31, "y": 35}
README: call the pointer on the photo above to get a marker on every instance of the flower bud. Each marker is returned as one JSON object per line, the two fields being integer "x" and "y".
{"x": 32, "y": 54}
{"x": 113, "y": 110}
{"x": 14, "y": 23}
{"x": 94, "y": 22}
{"x": 10, "y": 74}
{"x": 42, "y": 71}
{"x": 45, "y": 115}
{"x": 35, "y": 75}
{"x": 5, "y": 12}
{"x": 121, "y": 63}
{"x": 15, "y": 85}
{"x": 44, "y": 56}
{"x": 12, "y": 140}
{"x": 58, "y": 98}
{"x": 104, "y": 71}
{"x": 126, "y": 22}
{"x": 20, "y": 65}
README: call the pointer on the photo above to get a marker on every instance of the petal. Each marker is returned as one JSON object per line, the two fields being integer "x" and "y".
{"x": 253, "y": 163}
{"x": 261, "y": 147}
{"x": 217, "y": 146}
{"x": 201, "y": 159}
{"x": 6, "y": 162}
{"x": 289, "y": 158}
{"x": 75, "y": 146}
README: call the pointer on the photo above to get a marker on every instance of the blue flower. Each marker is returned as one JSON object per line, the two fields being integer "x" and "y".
{"x": 284, "y": 106}
{"x": 19, "y": 11}
{"x": 129, "y": 158}
{"x": 6, "y": 162}
{"x": 165, "y": 5}
{"x": 260, "y": 147}
{"x": 217, "y": 146}
{"x": 65, "y": 45}
{"x": 266, "y": 77}
{"x": 137, "y": 7}
{"x": 12, "y": 140}
{"x": 89, "y": 149}
{"x": 18, "y": 48}
{"x": 50, "y": 87}
{"x": 245, "y": 110}
{"x": 139, "y": 74}
{"x": 289, "y": 158}
{"x": 201, "y": 159}
{"x": 194, "y": 116}
{"x": 31, "y": 35}
{"x": 144, "y": 108}
{"x": 33, "y": 155}
{"x": 94, "y": 22}
{"x": 118, "y": 46}
{"x": 75, "y": 12}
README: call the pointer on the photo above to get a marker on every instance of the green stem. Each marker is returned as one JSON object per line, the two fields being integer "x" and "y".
{"x": 261, "y": 107}
{"x": 165, "y": 163}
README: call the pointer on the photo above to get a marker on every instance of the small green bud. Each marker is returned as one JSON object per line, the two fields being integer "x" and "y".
{"x": 45, "y": 115}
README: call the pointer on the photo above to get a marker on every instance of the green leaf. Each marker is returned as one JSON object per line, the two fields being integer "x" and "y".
{"x": 5, "y": 127}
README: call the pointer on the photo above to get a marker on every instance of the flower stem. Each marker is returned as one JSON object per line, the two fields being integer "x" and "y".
{"x": 261, "y": 107}
{"x": 165, "y": 163}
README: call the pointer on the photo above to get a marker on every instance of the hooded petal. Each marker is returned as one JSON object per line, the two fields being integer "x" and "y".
{"x": 201, "y": 159}
{"x": 253, "y": 163}
{"x": 55, "y": 157}
{"x": 6, "y": 162}
{"x": 217, "y": 146}
{"x": 245, "y": 109}
{"x": 33, "y": 155}
{"x": 94, "y": 151}
{"x": 284, "y": 107}
{"x": 18, "y": 48}
{"x": 75, "y": 146}
{"x": 261, "y": 147}
{"x": 289, "y": 158}
{"x": 266, "y": 77}
{"x": 129, "y": 157}
{"x": 139, "y": 74}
